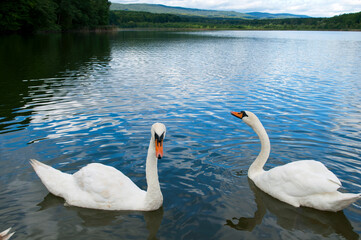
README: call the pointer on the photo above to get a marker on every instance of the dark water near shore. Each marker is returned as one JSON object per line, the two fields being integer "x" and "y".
{"x": 69, "y": 100}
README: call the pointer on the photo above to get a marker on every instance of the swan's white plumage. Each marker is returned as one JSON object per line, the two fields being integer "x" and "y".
{"x": 103, "y": 187}
{"x": 5, "y": 235}
{"x": 301, "y": 183}
{"x": 308, "y": 177}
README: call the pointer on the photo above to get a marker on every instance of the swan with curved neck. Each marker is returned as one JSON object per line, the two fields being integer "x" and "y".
{"x": 302, "y": 183}
{"x": 99, "y": 186}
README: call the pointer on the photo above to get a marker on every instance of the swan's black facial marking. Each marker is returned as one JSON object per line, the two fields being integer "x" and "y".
{"x": 159, "y": 138}
{"x": 240, "y": 115}
{"x": 244, "y": 114}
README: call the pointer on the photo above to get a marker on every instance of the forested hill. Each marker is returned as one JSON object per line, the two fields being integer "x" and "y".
{"x": 64, "y": 15}
{"x": 193, "y": 12}
{"x": 56, "y": 15}
{"x": 132, "y": 19}
{"x": 161, "y": 16}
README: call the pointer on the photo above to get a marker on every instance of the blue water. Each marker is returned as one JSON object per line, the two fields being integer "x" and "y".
{"x": 70, "y": 100}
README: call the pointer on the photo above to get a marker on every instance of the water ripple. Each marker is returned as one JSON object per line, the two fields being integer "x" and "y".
{"x": 100, "y": 104}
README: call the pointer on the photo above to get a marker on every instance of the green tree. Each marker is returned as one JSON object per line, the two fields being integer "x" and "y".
{"x": 34, "y": 15}
{"x": 27, "y": 15}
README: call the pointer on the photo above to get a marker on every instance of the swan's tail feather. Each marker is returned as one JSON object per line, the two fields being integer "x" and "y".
{"x": 42, "y": 170}
{"x": 37, "y": 165}
{"x": 346, "y": 200}
{"x": 5, "y": 235}
{"x": 54, "y": 180}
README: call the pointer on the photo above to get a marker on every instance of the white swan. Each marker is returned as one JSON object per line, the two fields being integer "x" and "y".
{"x": 302, "y": 183}
{"x": 99, "y": 186}
{"x": 5, "y": 235}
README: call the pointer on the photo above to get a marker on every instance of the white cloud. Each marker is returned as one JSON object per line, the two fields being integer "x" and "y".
{"x": 313, "y": 8}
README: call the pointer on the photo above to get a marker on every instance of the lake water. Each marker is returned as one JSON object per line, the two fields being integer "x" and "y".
{"x": 73, "y": 99}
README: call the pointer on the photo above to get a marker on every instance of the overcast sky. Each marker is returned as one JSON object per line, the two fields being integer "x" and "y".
{"x": 313, "y": 8}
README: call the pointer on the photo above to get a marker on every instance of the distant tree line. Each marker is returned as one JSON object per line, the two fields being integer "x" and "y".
{"x": 64, "y": 15}
{"x": 131, "y": 19}
{"x": 35, "y": 15}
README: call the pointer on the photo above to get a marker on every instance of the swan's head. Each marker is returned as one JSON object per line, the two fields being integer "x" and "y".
{"x": 158, "y": 135}
{"x": 248, "y": 117}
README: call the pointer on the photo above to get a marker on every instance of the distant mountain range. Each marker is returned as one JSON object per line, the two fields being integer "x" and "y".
{"x": 158, "y": 8}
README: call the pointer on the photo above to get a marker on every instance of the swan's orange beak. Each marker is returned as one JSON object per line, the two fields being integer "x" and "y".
{"x": 159, "y": 148}
{"x": 238, "y": 114}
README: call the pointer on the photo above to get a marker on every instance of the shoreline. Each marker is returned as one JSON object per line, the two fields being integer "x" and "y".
{"x": 114, "y": 29}
{"x": 160, "y": 29}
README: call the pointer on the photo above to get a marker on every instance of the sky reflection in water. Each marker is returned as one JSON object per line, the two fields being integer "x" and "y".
{"x": 69, "y": 100}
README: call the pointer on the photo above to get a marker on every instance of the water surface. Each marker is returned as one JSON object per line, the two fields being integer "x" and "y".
{"x": 70, "y": 100}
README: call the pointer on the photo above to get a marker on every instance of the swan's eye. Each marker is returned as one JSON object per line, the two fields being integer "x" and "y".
{"x": 244, "y": 114}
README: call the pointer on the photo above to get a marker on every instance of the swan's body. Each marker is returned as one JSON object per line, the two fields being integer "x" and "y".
{"x": 99, "y": 186}
{"x": 303, "y": 183}
{"x": 5, "y": 235}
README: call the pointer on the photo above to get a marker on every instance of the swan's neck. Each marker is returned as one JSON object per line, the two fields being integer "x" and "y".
{"x": 154, "y": 194}
{"x": 257, "y": 165}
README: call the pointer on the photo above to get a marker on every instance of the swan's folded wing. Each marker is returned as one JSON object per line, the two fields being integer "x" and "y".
{"x": 302, "y": 178}
{"x": 104, "y": 183}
